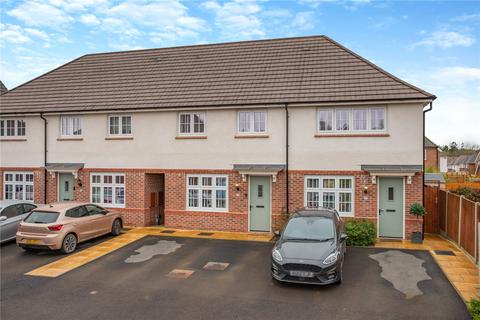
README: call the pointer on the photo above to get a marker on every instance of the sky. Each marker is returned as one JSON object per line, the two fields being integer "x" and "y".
{"x": 433, "y": 45}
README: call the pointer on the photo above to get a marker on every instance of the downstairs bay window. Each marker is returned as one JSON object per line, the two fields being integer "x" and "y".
{"x": 108, "y": 189}
{"x": 207, "y": 193}
{"x": 330, "y": 192}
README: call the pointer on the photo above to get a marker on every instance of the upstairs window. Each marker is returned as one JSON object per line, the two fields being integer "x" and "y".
{"x": 71, "y": 127}
{"x": 12, "y": 128}
{"x": 120, "y": 125}
{"x": 191, "y": 123}
{"x": 252, "y": 121}
{"x": 351, "y": 120}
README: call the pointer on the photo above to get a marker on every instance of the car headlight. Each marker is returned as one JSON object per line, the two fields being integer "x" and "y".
{"x": 276, "y": 255}
{"x": 332, "y": 257}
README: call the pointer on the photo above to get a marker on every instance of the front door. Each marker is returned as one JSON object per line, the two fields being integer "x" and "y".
{"x": 259, "y": 203}
{"x": 390, "y": 211}
{"x": 65, "y": 186}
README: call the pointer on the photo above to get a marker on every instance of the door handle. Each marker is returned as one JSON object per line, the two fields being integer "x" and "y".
{"x": 380, "y": 210}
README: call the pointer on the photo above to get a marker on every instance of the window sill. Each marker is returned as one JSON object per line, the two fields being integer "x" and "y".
{"x": 354, "y": 135}
{"x": 190, "y": 137}
{"x": 119, "y": 138}
{"x": 251, "y": 136}
{"x": 70, "y": 139}
{"x": 13, "y": 139}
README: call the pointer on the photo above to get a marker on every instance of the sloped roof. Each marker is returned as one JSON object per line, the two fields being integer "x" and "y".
{"x": 429, "y": 143}
{"x": 434, "y": 177}
{"x": 291, "y": 70}
{"x": 3, "y": 89}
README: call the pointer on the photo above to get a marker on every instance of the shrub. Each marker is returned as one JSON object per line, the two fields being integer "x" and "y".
{"x": 468, "y": 193}
{"x": 474, "y": 309}
{"x": 360, "y": 232}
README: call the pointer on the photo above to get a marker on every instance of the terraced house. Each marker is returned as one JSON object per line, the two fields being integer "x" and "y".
{"x": 228, "y": 136}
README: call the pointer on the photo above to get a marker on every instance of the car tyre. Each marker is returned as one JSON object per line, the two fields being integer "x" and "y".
{"x": 69, "y": 243}
{"x": 116, "y": 227}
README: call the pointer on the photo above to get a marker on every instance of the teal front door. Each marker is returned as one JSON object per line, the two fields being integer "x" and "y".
{"x": 390, "y": 207}
{"x": 259, "y": 203}
{"x": 65, "y": 186}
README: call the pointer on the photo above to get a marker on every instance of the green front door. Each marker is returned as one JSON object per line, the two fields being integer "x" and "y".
{"x": 259, "y": 203}
{"x": 65, "y": 186}
{"x": 390, "y": 207}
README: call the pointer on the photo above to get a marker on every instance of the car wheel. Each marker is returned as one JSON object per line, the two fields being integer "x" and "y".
{"x": 116, "y": 227}
{"x": 69, "y": 243}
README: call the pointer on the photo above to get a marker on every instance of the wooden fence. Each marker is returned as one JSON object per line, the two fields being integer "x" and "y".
{"x": 453, "y": 216}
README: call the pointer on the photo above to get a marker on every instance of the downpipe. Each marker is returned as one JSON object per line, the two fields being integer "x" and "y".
{"x": 45, "y": 174}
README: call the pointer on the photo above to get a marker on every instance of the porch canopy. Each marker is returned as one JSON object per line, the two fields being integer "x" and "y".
{"x": 259, "y": 170}
{"x": 392, "y": 170}
{"x": 72, "y": 168}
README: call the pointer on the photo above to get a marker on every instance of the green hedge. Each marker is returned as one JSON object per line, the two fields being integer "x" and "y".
{"x": 474, "y": 308}
{"x": 360, "y": 233}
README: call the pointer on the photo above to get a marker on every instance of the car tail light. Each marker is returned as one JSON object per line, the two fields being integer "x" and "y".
{"x": 56, "y": 227}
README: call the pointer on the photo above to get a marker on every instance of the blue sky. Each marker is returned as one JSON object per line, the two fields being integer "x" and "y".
{"x": 434, "y": 45}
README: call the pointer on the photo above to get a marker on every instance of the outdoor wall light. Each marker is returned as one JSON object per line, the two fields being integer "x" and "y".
{"x": 237, "y": 187}
{"x": 365, "y": 190}
{"x": 79, "y": 183}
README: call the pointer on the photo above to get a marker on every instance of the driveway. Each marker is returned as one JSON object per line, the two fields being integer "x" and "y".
{"x": 129, "y": 284}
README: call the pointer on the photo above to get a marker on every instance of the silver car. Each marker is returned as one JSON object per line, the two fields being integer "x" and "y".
{"x": 12, "y": 212}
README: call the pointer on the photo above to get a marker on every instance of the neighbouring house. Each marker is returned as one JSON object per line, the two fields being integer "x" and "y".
{"x": 464, "y": 164}
{"x": 3, "y": 89}
{"x": 477, "y": 164}
{"x": 230, "y": 136}
{"x": 431, "y": 156}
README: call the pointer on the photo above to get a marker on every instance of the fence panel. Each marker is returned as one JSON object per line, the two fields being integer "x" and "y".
{"x": 453, "y": 207}
{"x": 442, "y": 209}
{"x": 467, "y": 227}
{"x": 432, "y": 219}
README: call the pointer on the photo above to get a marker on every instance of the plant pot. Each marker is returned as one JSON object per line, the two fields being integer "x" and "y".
{"x": 417, "y": 237}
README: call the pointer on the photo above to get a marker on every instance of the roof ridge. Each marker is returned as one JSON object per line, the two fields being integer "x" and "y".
{"x": 428, "y": 94}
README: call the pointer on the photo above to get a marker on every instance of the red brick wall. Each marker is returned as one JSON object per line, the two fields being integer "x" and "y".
{"x": 432, "y": 160}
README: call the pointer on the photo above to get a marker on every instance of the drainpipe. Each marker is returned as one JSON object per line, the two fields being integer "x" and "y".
{"x": 287, "y": 199}
{"x": 45, "y": 122}
{"x": 423, "y": 166}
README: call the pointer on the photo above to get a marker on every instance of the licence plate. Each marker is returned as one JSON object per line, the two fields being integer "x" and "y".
{"x": 32, "y": 241}
{"x": 301, "y": 274}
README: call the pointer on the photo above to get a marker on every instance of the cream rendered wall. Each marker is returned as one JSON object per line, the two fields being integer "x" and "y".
{"x": 154, "y": 144}
{"x": 403, "y": 146}
{"x": 24, "y": 153}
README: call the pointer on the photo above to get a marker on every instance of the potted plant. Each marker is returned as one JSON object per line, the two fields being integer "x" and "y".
{"x": 418, "y": 211}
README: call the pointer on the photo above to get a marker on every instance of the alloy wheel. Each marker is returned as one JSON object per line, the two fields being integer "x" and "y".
{"x": 69, "y": 243}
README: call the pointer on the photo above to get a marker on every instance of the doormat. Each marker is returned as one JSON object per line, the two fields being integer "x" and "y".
{"x": 167, "y": 231}
{"x": 444, "y": 252}
{"x": 205, "y": 234}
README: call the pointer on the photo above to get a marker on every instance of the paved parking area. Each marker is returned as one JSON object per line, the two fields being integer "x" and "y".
{"x": 120, "y": 286}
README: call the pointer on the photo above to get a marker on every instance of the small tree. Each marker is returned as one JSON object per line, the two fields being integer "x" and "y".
{"x": 417, "y": 210}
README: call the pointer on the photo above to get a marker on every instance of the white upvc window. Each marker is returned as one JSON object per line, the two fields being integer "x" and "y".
{"x": 120, "y": 125}
{"x": 12, "y": 128}
{"x": 207, "y": 193}
{"x": 18, "y": 186}
{"x": 108, "y": 189}
{"x": 351, "y": 120}
{"x": 70, "y": 126}
{"x": 335, "y": 192}
{"x": 191, "y": 123}
{"x": 252, "y": 122}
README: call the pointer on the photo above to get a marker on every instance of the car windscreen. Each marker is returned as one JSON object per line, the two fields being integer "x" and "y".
{"x": 309, "y": 228}
{"x": 42, "y": 217}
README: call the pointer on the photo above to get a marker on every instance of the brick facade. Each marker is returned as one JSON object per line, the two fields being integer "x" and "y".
{"x": 143, "y": 188}
{"x": 432, "y": 160}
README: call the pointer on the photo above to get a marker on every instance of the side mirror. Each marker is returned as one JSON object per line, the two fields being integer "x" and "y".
{"x": 343, "y": 237}
{"x": 3, "y": 218}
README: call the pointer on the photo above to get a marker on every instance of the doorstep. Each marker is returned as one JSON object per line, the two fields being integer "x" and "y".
{"x": 459, "y": 269}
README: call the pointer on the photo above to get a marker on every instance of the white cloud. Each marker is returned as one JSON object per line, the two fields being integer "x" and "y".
{"x": 474, "y": 17}
{"x": 304, "y": 20}
{"x": 89, "y": 20}
{"x": 37, "y": 33}
{"x": 16, "y": 34}
{"x": 118, "y": 26}
{"x": 446, "y": 39}
{"x": 237, "y": 19}
{"x": 80, "y": 5}
{"x": 35, "y": 13}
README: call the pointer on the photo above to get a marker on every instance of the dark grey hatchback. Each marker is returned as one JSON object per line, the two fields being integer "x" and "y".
{"x": 311, "y": 248}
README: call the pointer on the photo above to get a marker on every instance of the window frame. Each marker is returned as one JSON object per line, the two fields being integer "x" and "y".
{"x": 14, "y": 183}
{"x": 113, "y": 185}
{"x": 351, "y": 120}
{"x": 321, "y": 190}
{"x": 252, "y": 122}
{"x": 69, "y": 136}
{"x": 4, "y": 128}
{"x": 119, "y": 134}
{"x": 199, "y": 187}
{"x": 192, "y": 123}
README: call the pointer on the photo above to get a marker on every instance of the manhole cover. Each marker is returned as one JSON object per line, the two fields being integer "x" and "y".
{"x": 180, "y": 273}
{"x": 205, "y": 234}
{"x": 444, "y": 252}
{"x": 218, "y": 266}
{"x": 167, "y": 231}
